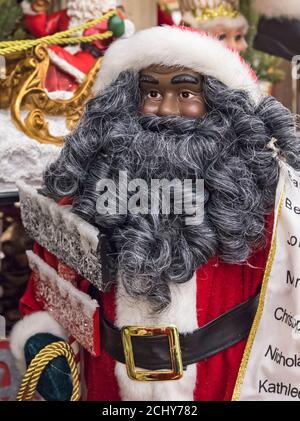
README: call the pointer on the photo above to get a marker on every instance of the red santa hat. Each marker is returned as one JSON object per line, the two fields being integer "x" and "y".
{"x": 278, "y": 8}
{"x": 173, "y": 46}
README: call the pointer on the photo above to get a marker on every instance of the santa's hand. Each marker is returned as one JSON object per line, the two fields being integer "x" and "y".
{"x": 27, "y": 9}
{"x": 55, "y": 383}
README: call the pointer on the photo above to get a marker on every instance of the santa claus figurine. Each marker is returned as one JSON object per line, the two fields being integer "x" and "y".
{"x": 161, "y": 298}
{"x": 70, "y": 64}
{"x": 220, "y": 18}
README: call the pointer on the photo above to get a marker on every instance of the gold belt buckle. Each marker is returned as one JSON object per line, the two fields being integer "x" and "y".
{"x": 175, "y": 353}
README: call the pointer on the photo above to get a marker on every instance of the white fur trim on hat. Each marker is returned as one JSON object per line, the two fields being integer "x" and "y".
{"x": 278, "y": 8}
{"x": 39, "y": 322}
{"x": 237, "y": 22}
{"x": 171, "y": 46}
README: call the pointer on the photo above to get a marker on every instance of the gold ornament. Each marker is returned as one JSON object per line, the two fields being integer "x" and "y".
{"x": 8, "y": 83}
{"x": 216, "y": 10}
{"x": 24, "y": 90}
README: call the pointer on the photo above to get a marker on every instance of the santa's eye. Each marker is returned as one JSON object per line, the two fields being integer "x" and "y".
{"x": 222, "y": 37}
{"x": 186, "y": 95}
{"x": 238, "y": 37}
{"x": 154, "y": 95}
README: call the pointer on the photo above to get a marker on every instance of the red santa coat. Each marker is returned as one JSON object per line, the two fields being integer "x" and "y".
{"x": 218, "y": 288}
{"x": 67, "y": 70}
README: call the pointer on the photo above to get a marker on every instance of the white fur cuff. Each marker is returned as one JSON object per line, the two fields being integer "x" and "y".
{"x": 278, "y": 8}
{"x": 39, "y": 322}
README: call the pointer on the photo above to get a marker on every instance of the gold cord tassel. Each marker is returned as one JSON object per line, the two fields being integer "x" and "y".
{"x": 38, "y": 365}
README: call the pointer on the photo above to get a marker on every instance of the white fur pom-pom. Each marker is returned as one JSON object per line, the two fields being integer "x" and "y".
{"x": 39, "y": 322}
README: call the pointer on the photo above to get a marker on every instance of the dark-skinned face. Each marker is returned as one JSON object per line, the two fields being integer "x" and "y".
{"x": 172, "y": 91}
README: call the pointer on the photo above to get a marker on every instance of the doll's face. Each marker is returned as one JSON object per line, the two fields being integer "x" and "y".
{"x": 170, "y": 91}
{"x": 233, "y": 38}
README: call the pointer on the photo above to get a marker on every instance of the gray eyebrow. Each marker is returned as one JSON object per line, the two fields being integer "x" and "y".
{"x": 149, "y": 79}
{"x": 185, "y": 79}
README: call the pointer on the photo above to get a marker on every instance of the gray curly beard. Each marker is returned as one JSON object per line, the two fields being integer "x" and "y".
{"x": 228, "y": 148}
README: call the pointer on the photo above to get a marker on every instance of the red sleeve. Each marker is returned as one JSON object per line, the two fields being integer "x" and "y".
{"x": 41, "y": 25}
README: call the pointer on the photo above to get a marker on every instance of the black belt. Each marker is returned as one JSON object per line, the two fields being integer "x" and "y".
{"x": 153, "y": 353}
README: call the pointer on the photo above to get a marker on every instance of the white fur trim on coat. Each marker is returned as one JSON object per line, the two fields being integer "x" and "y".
{"x": 61, "y": 95}
{"x": 39, "y": 322}
{"x": 182, "y": 312}
{"x": 66, "y": 67}
{"x": 171, "y": 46}
{"x": 278, "y": 8}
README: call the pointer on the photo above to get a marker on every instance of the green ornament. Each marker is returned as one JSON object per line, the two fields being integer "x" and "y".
{"x": 116, "y": 25}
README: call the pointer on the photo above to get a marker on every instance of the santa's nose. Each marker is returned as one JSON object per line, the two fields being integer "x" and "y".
{"x": 169, "y": 106}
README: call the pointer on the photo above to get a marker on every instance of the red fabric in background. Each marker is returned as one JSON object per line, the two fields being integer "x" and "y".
{"x": 164, "y": 17}
{"x": 42, "y": 25}
{"x": 58, "y": 80}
